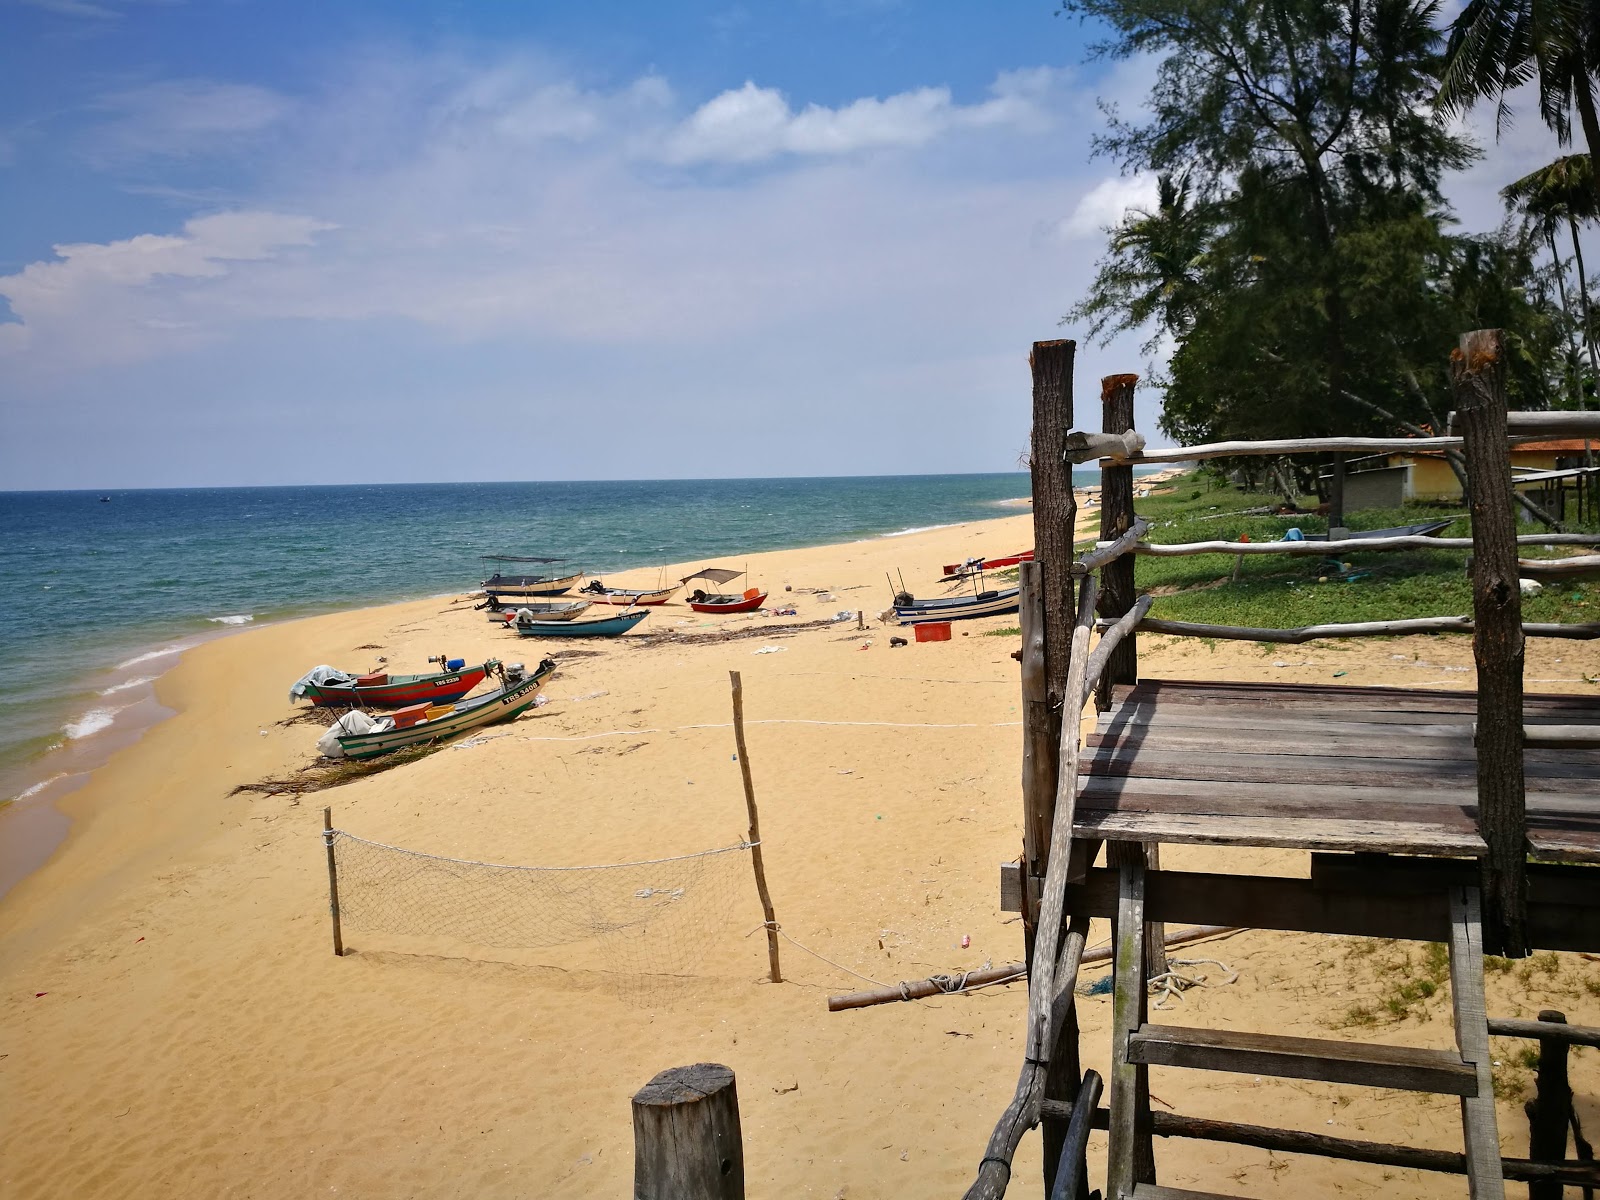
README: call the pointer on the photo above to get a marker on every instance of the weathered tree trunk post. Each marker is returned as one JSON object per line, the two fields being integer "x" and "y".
{"x": 1477, "y": 381}
{"x": 1039, "y": 750}
{"x": 333, "y": 882}
{"x": 687, "y": 1144}
{"x": 1550, "y": 1110}
{"x": 1055, "y": 514}
{"x": 756, "y": 861}
{"x": 1116, "y": 597}
{"x": 1336, "y": 497}
{"x": 1116, "y": 517}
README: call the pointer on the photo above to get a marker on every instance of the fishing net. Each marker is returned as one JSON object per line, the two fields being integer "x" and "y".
{"x": 633, "y": 922}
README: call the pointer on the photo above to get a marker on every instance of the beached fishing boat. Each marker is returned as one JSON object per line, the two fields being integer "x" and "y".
{"x": 503, "y": 611}
{"x": 719, "y": 602}
{"x": 509, "y": 587}
{"x": 379, "y": 689}
{"x": 356, "y": 735}
{"x": 911, "y": 611}
{"x": 974, "y": 565}
{"x": 1421, "y": 529}
{"x": 600, "y": 627}
{"x": 627, "y": 597}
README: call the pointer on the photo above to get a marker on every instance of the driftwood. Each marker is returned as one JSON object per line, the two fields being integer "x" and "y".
{"x": 945, "y": 985}
{"x": 1311, "y": 633}
{"x": 1106, "y": 552}
{"x": 1084, "y": 447}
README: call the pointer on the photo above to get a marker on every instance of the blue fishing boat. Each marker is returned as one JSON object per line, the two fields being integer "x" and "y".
{"x": 910, "y": 611}
{"x": 604, "y": 627}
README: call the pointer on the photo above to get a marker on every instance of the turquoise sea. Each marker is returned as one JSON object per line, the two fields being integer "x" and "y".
{"x": 101, "y": 596}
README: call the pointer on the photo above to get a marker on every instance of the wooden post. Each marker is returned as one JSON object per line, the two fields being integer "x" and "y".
{"x": 1055, "y": 514}
{"x": 1040, "y": 734}
{"x": 1550, "y": 1110}
{"x": 1130, "y": 1159}
{"x": 333, "y": 881}
{"x": 687, "y": 1144}
{"x": 755, "y": 829}
{"x": 1477, "y": 382}
{"x": 1116, "y": 517}
{"x": 1336, "y": 497}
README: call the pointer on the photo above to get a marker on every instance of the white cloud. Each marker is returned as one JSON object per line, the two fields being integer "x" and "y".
{"x": 1104, "y": 205}
{"x": 753, "y": 124}
{"x": 181, "y": 117}
{"x": 110, "y": 301}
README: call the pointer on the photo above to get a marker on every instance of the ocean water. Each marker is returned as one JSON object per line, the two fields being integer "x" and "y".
{"x": 101, "y": 598}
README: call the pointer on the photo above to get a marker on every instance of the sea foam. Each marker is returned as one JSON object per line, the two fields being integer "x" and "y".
{"x": 235, "y": 619}
{"x": 148, "y": 656}
{"x": 137, "y": 681}
{"x": 91, "y": 722}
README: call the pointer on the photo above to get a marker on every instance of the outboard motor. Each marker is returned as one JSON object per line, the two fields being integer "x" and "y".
{"x": 904, "y": 599}
{"x": 515, "y": 673}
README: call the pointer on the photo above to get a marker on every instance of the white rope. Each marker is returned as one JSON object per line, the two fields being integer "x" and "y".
{"x": 778, "y": 929}
{"x": 612, "y": 733}
{"x": 331, "y": 834}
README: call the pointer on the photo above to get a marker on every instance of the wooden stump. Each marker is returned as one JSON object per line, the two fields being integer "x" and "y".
{"x": 686, "y": 1139}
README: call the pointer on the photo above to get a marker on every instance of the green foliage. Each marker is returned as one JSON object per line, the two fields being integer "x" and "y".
{"x": 1298, "y": 254}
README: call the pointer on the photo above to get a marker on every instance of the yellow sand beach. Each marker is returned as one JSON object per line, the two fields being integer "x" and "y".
{"x": 175, "y": 1023}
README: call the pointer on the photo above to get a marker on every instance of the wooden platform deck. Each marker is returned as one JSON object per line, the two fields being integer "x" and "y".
{"x": 1323, "y": 768}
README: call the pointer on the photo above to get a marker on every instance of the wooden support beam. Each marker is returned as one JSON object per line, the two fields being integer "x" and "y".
{"x": 1544, "y": 1029}
{"x": 1404, "y": 1068}
{"x": 687, "y": 1144}
{"x": 1113, "y": 636}
{"x": 1485, "y": 1180}
{"x": 1477, "y": 382}
{"x": 1130, "y": 1158}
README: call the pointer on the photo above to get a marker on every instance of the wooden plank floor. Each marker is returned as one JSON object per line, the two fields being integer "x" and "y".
{"x": 1323, "y": 768}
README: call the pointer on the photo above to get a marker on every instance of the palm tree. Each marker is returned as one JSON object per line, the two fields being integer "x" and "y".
{"x": 1498, "y": 45}
{"x": 1562, "y": 192}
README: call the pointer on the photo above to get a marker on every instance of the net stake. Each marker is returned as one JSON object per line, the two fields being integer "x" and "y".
{"x": 755, "y": 826}
{"x": 333, "y": 881}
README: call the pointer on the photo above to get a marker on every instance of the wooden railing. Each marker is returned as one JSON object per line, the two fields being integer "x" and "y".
{"x": 1060, "y": 673}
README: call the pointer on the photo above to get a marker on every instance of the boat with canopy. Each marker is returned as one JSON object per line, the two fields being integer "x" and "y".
{"x": 507, "y": 587}
{"x": 721, "y": 602}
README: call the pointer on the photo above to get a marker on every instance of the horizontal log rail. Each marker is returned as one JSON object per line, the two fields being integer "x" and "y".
{"x": 1352, "y": 545}
{"x": 1354, "y": 629}
{"x": 1575, "y": 1035}
{"x": 1292, "y": 1141}
{"x": 1578, "y": 566}
{"x": 1547, "y": 424}
{"x": 1107, "y": 552}
{"x": 1280, "y": 447}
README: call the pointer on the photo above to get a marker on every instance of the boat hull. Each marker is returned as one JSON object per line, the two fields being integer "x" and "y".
{"x": 490, "y": 709}
{"x": 542, "y": 611}
{"x": 510, "y": 586}
{"x": 602, "y": 627}
{"x": 959, "y": 608}
{"x": 729, "y": 604}
{"x": 624, "y": 598}
{"x": 413, "y": 689}
{"x": 988, "y": 564}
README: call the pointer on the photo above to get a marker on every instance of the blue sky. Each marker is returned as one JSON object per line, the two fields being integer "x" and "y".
{"x": 255, "y": 243}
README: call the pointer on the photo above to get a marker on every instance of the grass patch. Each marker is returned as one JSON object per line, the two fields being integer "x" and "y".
{"x": 1276, "y": 591}
{"x": 1008, "y": 631}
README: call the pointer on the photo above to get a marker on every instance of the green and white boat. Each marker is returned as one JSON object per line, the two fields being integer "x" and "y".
{"x": 357, "y": 735}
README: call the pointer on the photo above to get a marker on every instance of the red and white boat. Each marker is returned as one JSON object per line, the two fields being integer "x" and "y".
{"x": 722, "y": 602}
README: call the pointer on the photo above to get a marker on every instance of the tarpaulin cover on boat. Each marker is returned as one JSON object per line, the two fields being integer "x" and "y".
{"x": 354, "y": 721}
{"x": 319, "y": 675}
{"x": 717, "y": 575}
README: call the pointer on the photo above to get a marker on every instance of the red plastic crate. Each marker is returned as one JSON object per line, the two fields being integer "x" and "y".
{"x": 934, "y": 631}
